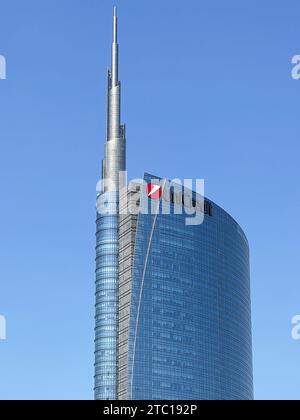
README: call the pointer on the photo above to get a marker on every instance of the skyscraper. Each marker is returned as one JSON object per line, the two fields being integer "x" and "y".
{"x": 107, "y": 239}
{"x": 173, "y": 308}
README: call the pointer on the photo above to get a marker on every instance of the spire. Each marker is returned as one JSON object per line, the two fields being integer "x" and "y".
{"x": 114, "y": 88}
{"x": 115, "y": 149}
{"x": 115, "y": 31}
{"x": 115, "y": 51}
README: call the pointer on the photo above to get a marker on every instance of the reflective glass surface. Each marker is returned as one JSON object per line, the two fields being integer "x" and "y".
{"x": 190, "y": 321}
{"x": 106, "y": 301}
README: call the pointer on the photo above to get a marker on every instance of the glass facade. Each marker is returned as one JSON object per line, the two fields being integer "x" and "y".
{"x": 190, "y": 311}
{"x": 173, "y": 310}
{"x": 106, "y": 298}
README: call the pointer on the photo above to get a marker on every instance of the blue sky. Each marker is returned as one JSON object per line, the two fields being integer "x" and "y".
{"x": 207, "y": 93}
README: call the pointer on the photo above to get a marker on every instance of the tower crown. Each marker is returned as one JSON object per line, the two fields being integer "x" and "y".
{"x": 115, "y": 153}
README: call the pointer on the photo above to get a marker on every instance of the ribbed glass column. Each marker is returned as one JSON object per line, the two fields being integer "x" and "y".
{"x": 106, "y": 298}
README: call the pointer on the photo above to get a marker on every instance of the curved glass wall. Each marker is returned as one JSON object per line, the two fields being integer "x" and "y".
{"x": 190, "y": 317}
{"x": 106, "y": 299}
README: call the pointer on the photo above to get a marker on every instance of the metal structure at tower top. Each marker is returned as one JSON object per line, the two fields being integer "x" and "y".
{"x": 107, "y": 239}
{"x": 115, "y": 148}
